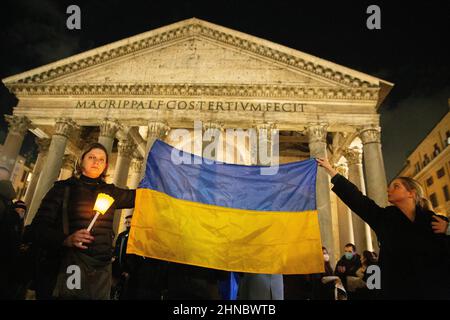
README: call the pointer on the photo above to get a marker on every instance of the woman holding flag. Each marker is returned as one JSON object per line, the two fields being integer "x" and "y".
{"x": 61, "y": 230}
{"x": 414, "y": 247}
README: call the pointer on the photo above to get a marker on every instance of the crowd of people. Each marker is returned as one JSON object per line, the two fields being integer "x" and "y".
{"x": 347, "y": 281}
{"x": 414, "y": 256}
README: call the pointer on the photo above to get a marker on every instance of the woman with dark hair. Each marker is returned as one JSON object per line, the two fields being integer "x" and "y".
{"x": 327, "y": 264}
{"x": 60, "y": 226}
{"x": 414, "y": 248}
{"x": 367, "y": 259}
{"x": 357, "y": 285}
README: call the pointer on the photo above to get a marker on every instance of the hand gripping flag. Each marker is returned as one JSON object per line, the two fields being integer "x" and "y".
{"x": 227, "y": 216}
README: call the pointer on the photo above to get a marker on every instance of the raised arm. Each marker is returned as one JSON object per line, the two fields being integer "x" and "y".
{"x": 360, "y": 204}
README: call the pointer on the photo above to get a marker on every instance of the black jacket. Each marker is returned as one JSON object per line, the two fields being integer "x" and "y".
{"x": 153, "y": 278}
{"x": 413, "y": 260}
{"x": 11, "y": 235}
{"x": 7, "y": 193}
{"x": 120, "y": 263}
{"x": 10, "y": 223}
{"x": 83, "y": 193}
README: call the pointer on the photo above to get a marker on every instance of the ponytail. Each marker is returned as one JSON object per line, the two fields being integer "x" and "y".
{"x": 425, "y": 204}
{"x": 412, "y": 185}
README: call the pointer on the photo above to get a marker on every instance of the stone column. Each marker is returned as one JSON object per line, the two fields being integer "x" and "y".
{"x": 156, "y": 130}
{"x": 253, "y": 145}
{"x": 361, "y": 230}
{"x": 43, "y": 145}
{"x": 317, "y": 134}
{"x": 64, "y": 127}
{"x": 125, "y": 152}
{"x": 68, "y": 167}
{"x": 136, "y": 168}
{"x": 135, "y": 179}
{"x": 346, "y": 234}
{"x": 207, "y": 146}
{"x": 108, "y": 129}
{"x": 18, "y": 127}
{"x": 265, "y": 150}
{"x": 374, "y": 168}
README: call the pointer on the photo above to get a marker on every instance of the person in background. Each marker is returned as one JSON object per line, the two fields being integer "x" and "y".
{"x": 349, "y": 263}
{"x": 367, "y": 260}
{"x": 358, "y": 289}
{"x": 9, "y": 237}
{"x": 19, "y": 276}
{"x": 120, "y": 268}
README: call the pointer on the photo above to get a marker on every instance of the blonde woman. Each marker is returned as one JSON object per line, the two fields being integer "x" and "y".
{"x": 414, "y": 247}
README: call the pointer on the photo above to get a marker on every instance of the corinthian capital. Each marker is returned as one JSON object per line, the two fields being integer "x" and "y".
{"x": 353, "y": 156}
{"x": 65, "y": 127}
{"x": 136, "y": 164}
{"x": 317, "y": 133}
{"x": 265, "y": 131}
{"x": 265, "y": 126}
{"x": 126, "y": 148}
{"x": 109, "y": 127}
{"x": 69, "y": 161}
{"x": 212, "y": 125}
{"x": 43, "y": 144}
{"x": 370, "y": 134}
{"x": 157, "y": 129}
{"x": 18, "y": 125}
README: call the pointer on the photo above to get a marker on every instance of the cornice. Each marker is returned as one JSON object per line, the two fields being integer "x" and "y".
{"x": 212, "y": 90}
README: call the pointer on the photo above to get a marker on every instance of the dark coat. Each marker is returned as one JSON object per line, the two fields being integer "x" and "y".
{"x": 320, "y": 290}
{"x": 7, "y": 193}
{"x": 120, "y": 263}
{"x": 413, "y": 260}
{"x": 351, "y": 266}
{"x": 153, "y": 279}
{"x": 10, "y": 235}
{"x": 47, "y": 232}
{"x": 11, "y": 225}
{"x": 83, "y": 193}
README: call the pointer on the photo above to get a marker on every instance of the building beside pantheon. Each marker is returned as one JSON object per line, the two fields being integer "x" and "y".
{"x": 429, "y": 164}
{"x": 128, "y": 93}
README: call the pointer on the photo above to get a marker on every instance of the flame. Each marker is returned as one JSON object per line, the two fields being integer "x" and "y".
{"x": 103, "y": 202}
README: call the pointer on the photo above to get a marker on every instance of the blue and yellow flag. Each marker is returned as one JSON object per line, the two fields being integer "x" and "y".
{"x": 227, "y": 216}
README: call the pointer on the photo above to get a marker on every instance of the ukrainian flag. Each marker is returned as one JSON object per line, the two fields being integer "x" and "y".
{"x": 227, "y": 216}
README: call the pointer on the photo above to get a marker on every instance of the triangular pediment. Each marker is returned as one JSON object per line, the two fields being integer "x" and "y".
{"x": 195, "y": 61}
{"x": 196, "y": 52}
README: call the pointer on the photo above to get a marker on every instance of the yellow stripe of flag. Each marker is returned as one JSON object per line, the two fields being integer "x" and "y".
{"x": 224, "y": 238}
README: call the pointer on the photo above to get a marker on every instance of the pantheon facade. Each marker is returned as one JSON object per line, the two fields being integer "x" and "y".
{"x": 128, "y": 93}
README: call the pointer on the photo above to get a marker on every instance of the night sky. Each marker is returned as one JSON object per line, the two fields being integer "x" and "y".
{"x": 409, "y": 50}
